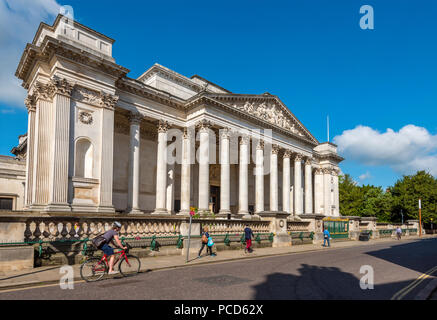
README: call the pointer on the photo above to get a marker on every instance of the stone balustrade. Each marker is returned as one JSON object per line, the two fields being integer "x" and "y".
{"x": 293, "y": 226}
{"x": 219, "y": 226}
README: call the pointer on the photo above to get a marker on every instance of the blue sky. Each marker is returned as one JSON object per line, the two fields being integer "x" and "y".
{"x": 378, "y": 86}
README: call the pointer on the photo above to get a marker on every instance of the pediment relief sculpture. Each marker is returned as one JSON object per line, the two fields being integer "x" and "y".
{"x": 272, "y": 114}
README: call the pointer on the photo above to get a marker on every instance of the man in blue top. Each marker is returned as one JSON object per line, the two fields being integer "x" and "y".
{"x": 248, "y": 234}
{"x": 326, "y": 237}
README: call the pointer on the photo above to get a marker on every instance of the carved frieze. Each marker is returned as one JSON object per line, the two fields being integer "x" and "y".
{"x": 98, "y": 99}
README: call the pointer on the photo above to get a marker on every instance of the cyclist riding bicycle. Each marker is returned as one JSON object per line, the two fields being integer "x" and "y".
{"x": 110, "y": 236}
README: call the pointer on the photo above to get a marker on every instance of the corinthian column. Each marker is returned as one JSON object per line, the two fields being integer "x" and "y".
{"x": 336, "y": 193}
{"x": 204, "y": 166}
{"x": 286, "y": 182}
{"x": 318, "y": 191}
{"x": 259, "y": 176}
{"x": 161, "y": 169}
{"x": 243, "y": 190}
{"x": 225, "y": 177}
{"x": 298, "y": 200}
{"x": 30, "y": 104}
{"x": 274, "y": 178}
{"x": 308, "y": 187}
{"x": 134, "y": 163}
{"x": 327, "y": 191}
{"x": 186, "y": 173}
{"x": 107, "y": 102}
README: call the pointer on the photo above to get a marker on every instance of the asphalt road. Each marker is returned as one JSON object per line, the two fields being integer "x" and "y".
{"x": 329, "y": 274}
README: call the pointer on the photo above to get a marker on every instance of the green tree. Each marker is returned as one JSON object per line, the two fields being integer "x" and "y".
{"x": 406, "y": 193}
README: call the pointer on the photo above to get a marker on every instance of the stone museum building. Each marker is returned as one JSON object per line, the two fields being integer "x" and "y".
{"x": 99, "y": 141}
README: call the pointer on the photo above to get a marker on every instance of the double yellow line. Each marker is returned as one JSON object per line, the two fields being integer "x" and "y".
{"x": 403, "y": 292}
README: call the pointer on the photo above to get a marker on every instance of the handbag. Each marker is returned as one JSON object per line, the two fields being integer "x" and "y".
{"x": 210, "y": 242}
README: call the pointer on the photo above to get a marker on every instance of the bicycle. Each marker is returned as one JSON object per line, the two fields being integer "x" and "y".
{"x": 93, "y": 269}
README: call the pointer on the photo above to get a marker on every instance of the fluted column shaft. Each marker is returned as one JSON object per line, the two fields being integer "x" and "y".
{"x": 327, "y": 192}
{"x": 161, "y": 169}
{"x": 204, "y": 168}
{"x": 308, "y": 187}
{"x": 225, "y": 177}
{"x": 243, "y": 190}
{"x": 259, "y": 178}
{"x": 318, "y": 191}
{"x": 298, "y": 200}
{"x": 186, "y": 173}
{"x": 286, "y": 182}
{"x": 134, "y": 164}
{"x": 108, "y": 102}
{"x": 30, "y": 104}
{"x": 336, "y": 193}
{"x": 274, "y": 178}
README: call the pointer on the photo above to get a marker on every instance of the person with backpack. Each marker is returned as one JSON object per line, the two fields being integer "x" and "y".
{"x": 205, "y": 242}
{"x": 248, "y": 235}
{"x": 102, "y": 243}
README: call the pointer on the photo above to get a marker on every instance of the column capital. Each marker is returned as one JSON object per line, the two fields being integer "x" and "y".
{"x": 308, "y": 161}
{"x": 107, "y": 100}
{"x": 318, "y": 171}
{"x": 335, "y": 172}
{"x": 163, "y": 126}
{"x": 287, "y": 153}
{"x": 260, "y": 145}
{"x": 61, "y": 86}
{"x": 244, "y": 139}
{"x": 135, "y": 117}
{"x": 204, "y": 125}
{"x": 30, "y": 103}
{"x": 326, "y": 170}
{"x": 275, "y": 149}
{"x": 225, "y": 133}
{"x": 44, "y": 91}
{"x": 298, "y": 157}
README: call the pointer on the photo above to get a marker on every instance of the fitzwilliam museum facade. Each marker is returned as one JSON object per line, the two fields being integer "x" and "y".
{"x": 100, "y": 142}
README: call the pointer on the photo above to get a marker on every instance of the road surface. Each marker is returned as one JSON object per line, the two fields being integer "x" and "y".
{"x": 329, "y": 274}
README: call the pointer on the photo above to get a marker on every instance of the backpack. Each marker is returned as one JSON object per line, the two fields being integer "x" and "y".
{"x": 98, "y": 241}
{"x": 204, "y": 238}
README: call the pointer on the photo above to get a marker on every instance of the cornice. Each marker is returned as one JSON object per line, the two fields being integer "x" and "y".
{"x": 51, "y": 47}
{"x": 328, "y": 156}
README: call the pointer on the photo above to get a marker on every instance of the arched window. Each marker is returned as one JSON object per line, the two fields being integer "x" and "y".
{"x": 84, "y": 159}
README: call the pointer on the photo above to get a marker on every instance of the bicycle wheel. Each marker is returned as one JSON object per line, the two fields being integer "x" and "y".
{"x": 130, "y": 266}
{"x": 93, "y": 269}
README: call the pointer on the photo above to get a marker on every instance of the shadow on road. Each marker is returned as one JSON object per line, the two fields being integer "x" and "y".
{"x": 410, "y": 255}
{"x": 322, "y": 283}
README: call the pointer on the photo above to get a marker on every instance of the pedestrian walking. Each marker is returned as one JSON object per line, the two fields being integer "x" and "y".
{"x": 248, "y": 235}
{"x": 326, "y": 237}
{"x": 398, "y": 233}
{"x": 205, "y": 240}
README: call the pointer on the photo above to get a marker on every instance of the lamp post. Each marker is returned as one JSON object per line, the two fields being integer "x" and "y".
{"x": 402, "y": 217}
{"x": 432, "y": 230}
{"x": 420, "y": 217}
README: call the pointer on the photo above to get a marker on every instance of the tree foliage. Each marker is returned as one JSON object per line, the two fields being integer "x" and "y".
{"x": 373, "y": 201}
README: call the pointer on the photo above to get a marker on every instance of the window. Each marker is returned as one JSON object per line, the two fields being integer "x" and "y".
{"x": 84, "y": 159}
{"x": 6, "y": 203}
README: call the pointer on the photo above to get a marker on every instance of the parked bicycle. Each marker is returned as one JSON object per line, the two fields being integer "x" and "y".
{"x": 93, "y": 269}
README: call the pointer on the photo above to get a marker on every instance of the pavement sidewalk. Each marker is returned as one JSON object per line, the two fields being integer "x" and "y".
{"x": 51, "y": 274}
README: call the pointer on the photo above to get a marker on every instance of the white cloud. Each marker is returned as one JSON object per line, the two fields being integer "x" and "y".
{"x": 410, "y": 149}
{"x": 19, "y": 20}
{"x": 365, "y": 176}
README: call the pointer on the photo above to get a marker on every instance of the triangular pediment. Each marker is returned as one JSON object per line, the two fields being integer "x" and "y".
{"x": 267, "y": 108}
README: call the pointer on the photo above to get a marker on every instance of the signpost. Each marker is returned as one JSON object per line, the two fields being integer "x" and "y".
{"x": 189, "y": 237}
{"x": 420, "y": 218}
